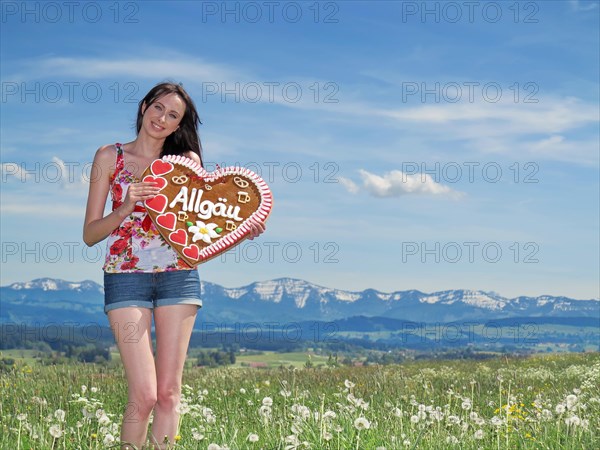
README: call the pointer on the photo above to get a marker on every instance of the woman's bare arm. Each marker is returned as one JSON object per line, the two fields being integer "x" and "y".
{"x": 97, "y": 227}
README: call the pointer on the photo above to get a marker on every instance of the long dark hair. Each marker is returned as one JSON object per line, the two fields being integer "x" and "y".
{"x": 186, "y": 137}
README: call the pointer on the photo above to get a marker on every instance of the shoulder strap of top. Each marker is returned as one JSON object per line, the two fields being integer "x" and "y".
{"x": 120, "y": 163}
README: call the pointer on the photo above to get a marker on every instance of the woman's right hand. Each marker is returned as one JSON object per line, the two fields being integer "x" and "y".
{"x": 138, "y": 192}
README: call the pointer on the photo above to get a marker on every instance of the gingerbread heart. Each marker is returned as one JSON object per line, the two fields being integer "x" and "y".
{"x": 202, "y": 214}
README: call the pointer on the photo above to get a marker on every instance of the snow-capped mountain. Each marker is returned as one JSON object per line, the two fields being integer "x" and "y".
{"x": 286, "y": 299}
{"x": 51, "y": 284}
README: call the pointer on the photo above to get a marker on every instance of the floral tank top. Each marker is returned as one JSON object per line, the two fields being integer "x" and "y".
{"x": 136, "y": 245}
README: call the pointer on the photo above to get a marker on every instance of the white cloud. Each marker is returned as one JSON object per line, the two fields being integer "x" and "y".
{"x": 578, "y": 5}
{"x": 144, "y": 68}
{"x": 397, "y": 183}
{"x": 70, "y": 176}
{"x": 550, "y": 116}
{"x": 350, "y": 185}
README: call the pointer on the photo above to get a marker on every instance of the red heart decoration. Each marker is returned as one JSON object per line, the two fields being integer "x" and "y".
{"x": 158, "y": 203}
{"x": 179, "y": 237}
{"x": 159, "y": 167}
{"x": 192, "y": 252}
{"x": 167, "y": 220}
{"x": 160, "y": 182}
{"x": 210, "y": 211}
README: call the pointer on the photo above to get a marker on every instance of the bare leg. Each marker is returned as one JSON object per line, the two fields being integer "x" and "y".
{"x": 173, "y": 325}
{"x": 132, "y": 330}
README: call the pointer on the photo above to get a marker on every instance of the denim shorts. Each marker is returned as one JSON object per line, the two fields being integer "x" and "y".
{"x": 151, "y": 289}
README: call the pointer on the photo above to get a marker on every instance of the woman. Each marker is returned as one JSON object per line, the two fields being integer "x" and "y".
{"x": 142, "y": 274}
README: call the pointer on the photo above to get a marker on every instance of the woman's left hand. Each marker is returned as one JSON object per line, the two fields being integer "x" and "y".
{"x": 256, "y": 228}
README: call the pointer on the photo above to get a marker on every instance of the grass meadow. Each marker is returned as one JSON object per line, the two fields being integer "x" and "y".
{"x": 550, "y": 401}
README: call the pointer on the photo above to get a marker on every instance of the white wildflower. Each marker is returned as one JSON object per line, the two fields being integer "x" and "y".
{"x": 453, "y": 420}
{"x": 60, "y": 415}
{"x": 55, "y": 431}
{"x": 573, "y": 420}
{"x": 571, "y": 401}
{"x": 361, "y": 423}
{"x": 252, "y": 437}
{"x": 452, "y": 440}
{"x": 197, "y": 436}
{"x": 329, "y": 415}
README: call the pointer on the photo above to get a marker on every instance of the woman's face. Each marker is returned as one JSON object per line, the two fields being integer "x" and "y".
{"x": 162, "y": 117}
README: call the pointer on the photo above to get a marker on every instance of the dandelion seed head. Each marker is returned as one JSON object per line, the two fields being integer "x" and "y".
{"x": 362, "y": 423}
{"x": 452, "y": 440}
{"x": 55, "y": 431}
{"x": 60, "y": 415}
{"x": 197, "y": 436}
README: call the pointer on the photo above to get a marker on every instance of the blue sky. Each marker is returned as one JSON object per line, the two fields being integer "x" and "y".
{"x": 409, "y": 145}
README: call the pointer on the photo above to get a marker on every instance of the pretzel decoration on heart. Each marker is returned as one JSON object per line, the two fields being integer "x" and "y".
{"x": 241, "y": 183}
{"x": 181, "y": 179}
{"x": 202, "y": 214}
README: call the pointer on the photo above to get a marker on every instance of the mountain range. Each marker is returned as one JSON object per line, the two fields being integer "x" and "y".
{"x": 53, "y": 301}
